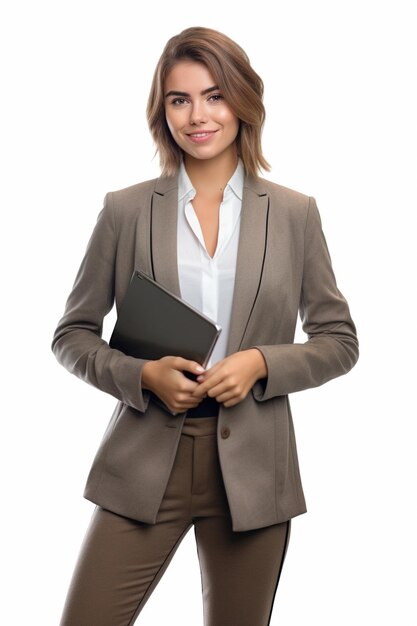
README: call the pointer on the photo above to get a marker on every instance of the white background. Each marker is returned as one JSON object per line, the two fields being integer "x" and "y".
{"x": 339, "y": 80}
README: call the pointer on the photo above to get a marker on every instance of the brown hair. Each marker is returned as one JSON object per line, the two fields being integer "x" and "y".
{"x": 240, "y": 84}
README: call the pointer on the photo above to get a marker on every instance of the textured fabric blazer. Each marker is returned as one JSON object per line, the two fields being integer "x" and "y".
{"x": 283, "y": 268}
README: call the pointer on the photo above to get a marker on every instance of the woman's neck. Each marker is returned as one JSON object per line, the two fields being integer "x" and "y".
{"x": 209, "y": 177}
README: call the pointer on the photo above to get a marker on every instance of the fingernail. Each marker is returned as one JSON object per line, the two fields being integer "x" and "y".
{"x": 199, "y": 368}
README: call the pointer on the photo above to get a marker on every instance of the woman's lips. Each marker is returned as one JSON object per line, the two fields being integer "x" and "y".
{"x": 201, "y": 137}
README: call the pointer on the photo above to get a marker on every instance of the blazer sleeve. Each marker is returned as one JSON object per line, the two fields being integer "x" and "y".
{"x": 77, "y": 342}
{"x": 332, "y": 346}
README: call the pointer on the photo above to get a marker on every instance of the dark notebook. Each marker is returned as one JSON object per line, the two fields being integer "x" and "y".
{"x": 153, "y": 322}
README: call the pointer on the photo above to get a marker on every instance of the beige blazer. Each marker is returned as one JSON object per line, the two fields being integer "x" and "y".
{"x": 283, "y": 267}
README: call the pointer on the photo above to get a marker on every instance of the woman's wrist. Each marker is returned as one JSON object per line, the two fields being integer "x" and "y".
{"x": 148, "y": 375}
{"x": 260, "y": 366}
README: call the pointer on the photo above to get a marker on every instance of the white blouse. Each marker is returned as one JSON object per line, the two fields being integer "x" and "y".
{"x": 206, "y": 282}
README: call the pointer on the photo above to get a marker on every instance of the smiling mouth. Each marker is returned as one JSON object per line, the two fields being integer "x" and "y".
{"x": 206, "y": 133}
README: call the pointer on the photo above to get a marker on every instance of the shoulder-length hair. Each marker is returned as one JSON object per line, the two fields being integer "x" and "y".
{"x": 241, "y": 86}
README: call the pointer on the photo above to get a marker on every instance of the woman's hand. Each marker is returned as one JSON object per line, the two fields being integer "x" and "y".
{"x": 165, "y": 378}
{"x": 230, "y": 380}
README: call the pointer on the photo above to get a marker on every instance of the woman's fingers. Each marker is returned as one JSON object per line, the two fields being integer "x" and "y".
{"x": 229, "y": 380}
{"x": 179, "y": 363}
{"x": 210, "y": 383}
{"x": 173, "y": 387}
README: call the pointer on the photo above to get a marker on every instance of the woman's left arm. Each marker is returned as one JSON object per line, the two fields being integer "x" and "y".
{"x": 332, "y": 348}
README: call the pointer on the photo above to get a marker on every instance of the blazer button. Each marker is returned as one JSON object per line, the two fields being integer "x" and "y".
{"x": 225, "y": 432}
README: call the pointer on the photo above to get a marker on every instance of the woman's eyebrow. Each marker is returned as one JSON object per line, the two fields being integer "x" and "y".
{"x": 187, "y": 95}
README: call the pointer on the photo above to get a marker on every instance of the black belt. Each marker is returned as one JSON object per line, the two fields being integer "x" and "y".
{"x": 208, "y": 406}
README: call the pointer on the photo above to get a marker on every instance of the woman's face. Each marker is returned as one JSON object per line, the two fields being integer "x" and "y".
{"x": 200, "y": 120}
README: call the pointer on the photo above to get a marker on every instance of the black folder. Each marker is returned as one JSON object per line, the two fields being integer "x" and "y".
{"x": 153, "y": 322}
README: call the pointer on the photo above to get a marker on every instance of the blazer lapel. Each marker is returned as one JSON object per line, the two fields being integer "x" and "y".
{"x": 250, "y": 259}
{"x": 164, "y": 213}
{"x": 251, "y": 251}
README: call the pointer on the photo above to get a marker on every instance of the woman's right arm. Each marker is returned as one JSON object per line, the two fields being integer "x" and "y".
{"x": 77, "y": 342}
{"x": 78, "y": 345}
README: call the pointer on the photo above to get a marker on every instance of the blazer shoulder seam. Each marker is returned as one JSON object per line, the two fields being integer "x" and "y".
{"x": 131, "y": 198}
{"x": 142, "y": 187}
{"x": 277, "y": 188}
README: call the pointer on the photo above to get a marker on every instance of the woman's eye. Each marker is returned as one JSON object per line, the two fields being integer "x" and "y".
{"x": 178, "y": 101}
{"x": 216, "y": 97}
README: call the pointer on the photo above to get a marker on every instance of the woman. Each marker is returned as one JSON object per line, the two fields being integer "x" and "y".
{"x": 251, "y": 255}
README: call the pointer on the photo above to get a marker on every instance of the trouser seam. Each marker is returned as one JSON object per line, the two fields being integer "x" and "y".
{"x": 145, "y": 598}
{"x": 284, "y": 552}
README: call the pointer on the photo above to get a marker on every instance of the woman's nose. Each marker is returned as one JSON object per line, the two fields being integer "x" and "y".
{"x": 198, "y": 114}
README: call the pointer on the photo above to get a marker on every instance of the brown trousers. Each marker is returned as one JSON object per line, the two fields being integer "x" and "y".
{"x": 122, "y": 560}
